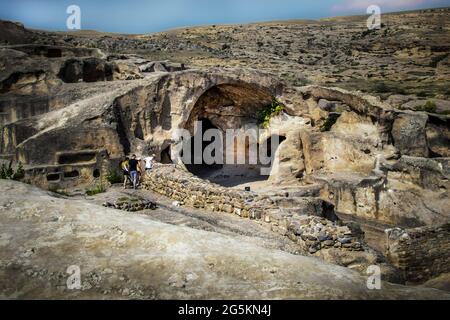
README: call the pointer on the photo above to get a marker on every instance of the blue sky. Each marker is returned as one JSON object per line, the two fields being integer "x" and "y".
{"x": 142, "y": 16}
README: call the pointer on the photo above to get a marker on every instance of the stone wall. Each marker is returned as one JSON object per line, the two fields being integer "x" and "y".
{"x": 73, "y": 170}
{"x": 309, "y": 222}
{"x": 422, "y": 253}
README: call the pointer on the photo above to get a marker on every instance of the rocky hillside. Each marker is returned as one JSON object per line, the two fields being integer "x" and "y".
{"x": 409, "y": 55}
{"x": 359, "y": 178}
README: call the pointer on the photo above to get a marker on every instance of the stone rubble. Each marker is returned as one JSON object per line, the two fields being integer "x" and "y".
{"x": 131, "y": 206}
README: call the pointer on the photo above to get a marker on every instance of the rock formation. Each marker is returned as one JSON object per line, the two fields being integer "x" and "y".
{"x": 357, "y": 180}
{"x": 124, "y": 256}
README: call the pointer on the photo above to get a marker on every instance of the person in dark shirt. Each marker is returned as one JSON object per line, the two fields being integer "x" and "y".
{"x": 133, "y": 165}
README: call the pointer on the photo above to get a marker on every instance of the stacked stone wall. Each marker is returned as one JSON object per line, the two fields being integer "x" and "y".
{"x": 421, "y": 253}
{"x": 306, "y": 224}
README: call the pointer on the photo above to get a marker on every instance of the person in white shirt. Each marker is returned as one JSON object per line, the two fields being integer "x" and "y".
{"x": 149, "y": 161}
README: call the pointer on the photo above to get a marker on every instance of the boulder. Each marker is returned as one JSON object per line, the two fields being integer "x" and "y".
{"x": 409, "y": 134}
{"x": 72, "y": 71}
{"x": 95, "y": 70}
{"x": 438, "y": 135}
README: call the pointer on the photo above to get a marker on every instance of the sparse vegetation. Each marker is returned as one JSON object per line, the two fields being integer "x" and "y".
{"x": 429, "y": 106}
{"x": 7, "y": 172}
{"x": 20, "y": 172}
{"x": 113, "y": 177}
{"x": 381, "y": 87}
{"x": 268, "y": 112}
{"x": 422, "y": 94}
{"x": 91, "y": 46}
{"x": 96, "y": 190}
{"x": 329, "y": 123}
{"x": 295, "y": 79}
{"x": 3, "y": 174}
{"x": 436, "y": 59}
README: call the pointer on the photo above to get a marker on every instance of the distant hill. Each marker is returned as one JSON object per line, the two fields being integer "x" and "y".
{"x": 14, "y": 33}
{"x": 408, "y": 55}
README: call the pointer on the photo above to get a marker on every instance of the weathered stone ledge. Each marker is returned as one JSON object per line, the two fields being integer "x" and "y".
{"x": 304, "y": 221}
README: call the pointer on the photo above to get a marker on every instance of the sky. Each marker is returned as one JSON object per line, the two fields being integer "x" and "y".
{"x": 145, "y": 16}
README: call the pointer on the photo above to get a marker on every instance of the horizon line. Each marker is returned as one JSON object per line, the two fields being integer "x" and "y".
{"x": 219, "y": 24}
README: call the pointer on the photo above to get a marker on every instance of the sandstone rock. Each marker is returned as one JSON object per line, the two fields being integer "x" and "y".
{"x": 146, "y": 239}
{"x": 335, "y": 152}
{"x": 72, "y": 71}
{"x": 95, "y": 70}
{"x": 376, "y": 164}
{"x": 158, "y": 67}
{"x": 438, "y": 135}
{"x": 409, "y": 134}
{"x": 332, "y": 106}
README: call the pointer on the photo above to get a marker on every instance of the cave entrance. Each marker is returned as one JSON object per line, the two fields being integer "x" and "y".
{"x": 54, "y": 53}
{"x": 166, "y": 156}
{"x": 203, "y": 170}
{"x": 228, "y": 107}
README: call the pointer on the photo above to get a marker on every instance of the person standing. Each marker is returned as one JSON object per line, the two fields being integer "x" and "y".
{"x": 149, "y": 161}
{"x": 125, "y": 166}
{"x": 141, "y": 170}
{"x": 133, "y": 165}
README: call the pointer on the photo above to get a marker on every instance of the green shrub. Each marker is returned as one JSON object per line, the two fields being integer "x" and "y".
{"x": 268, "y": 112}
{"x": 96, "y": 190}
{"x": 301, "y": 81}
{"x": 10, "y": 171}
{"x": 3, "y": 172}
{"x": 422, "y": 94}
{"x": 381, "y": 87}
{"x": 20, "y": 172}
{"x": 7, "y": 172}
{"x": 113, "y": 177}
{"x": 429, "y": 106}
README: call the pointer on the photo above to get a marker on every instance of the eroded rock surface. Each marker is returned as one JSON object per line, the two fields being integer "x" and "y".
{"x": 73, "y": 105}
{"x": 131, "y": 256}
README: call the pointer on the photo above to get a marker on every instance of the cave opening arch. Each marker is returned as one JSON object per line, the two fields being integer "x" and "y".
{"x": 226, "y": 107}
